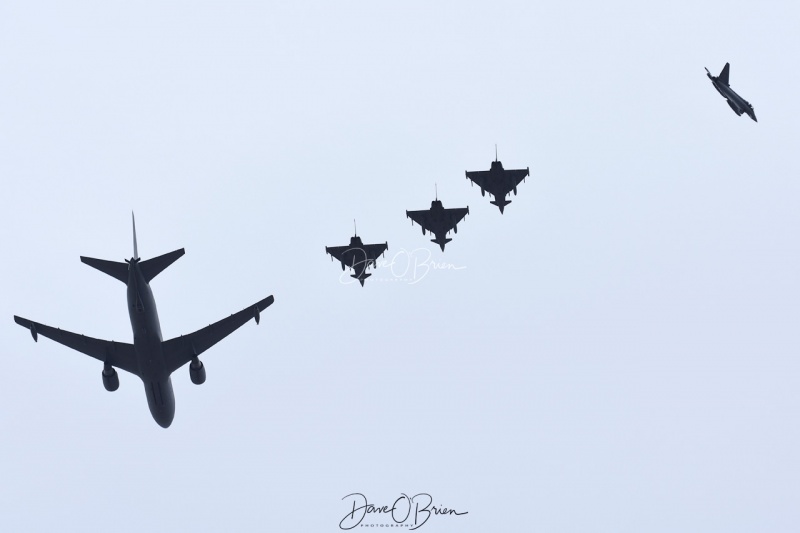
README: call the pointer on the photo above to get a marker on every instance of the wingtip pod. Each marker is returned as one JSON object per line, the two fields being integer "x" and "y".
{"x": 260, "y": 306}
{"x": 25, "y": 323}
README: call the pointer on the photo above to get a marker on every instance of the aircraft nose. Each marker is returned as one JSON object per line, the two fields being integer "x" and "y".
{"x": 164, "y": 421}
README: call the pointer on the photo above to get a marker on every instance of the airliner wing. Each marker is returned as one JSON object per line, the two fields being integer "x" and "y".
{"x": 119, "y": 354}
{"x": 181, "y": 350}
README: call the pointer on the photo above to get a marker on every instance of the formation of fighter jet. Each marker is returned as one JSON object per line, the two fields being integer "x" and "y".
{"x": 438, "y": 220}
{"x": 149, "y": 357}
{"x": 722, "y": 85}
{"x": 153, "y": 360}
{"x": 358, "y": 256}
{"x": 498, "y": 181}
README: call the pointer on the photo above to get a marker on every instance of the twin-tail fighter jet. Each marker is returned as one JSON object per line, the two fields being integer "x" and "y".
{"x": 722, "y": 85}
{"x": 358, "y": 256}
{"x": 498, "y": 181}
{"x": 438, "y": 220}
{"x": 149, "y": 357}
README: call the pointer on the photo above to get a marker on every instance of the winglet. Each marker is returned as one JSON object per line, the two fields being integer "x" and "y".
{"x": 436, "y": 188}
{"x": 495, "y": 152}
{"x": 135, "y": 248}
{"x": 355, "y": 229}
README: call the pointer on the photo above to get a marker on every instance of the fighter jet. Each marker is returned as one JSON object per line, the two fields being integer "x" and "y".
{"x": 438, "y": 220}
{"x": 498, "y": 181}
{"x": 737, "y": 103}
{"x": 358, "y": 256}
{"x": 149, "y": 357}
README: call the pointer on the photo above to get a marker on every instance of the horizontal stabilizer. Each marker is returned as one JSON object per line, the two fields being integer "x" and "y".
{"x": 153, "y": 267}
{"x": 112, "y": 268}
{"x": 441, "y": 242}
{"x": 501, "y": 204}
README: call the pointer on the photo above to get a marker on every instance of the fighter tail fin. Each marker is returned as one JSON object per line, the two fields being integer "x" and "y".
{"x": 725, "y": 74}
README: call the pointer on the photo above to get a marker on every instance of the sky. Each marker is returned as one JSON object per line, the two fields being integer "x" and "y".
{"x": 617, "y": 352}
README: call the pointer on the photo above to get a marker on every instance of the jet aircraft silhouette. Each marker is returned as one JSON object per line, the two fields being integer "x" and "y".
{"x": 438, "y": 220}
{"x": 149, "y": 357}
{"x": 498, "y": 181}
{"x": 358, "y": 256}
{"x": 722, "y": 85}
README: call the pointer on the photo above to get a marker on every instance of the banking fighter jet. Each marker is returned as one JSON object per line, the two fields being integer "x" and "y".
{"x": 722, "y": 85}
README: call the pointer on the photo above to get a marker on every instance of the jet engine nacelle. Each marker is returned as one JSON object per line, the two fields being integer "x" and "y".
{"x": 423, "y": 231}
{"x": 455, "y": 228}
{"x": 483, "y": 192}
{"x": 110, "y": 378}
{"x": 197, "y": 371}
{"x": 515, "y": 191}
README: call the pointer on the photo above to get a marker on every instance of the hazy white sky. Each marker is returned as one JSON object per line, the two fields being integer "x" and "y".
{"x": 619, "y": 352}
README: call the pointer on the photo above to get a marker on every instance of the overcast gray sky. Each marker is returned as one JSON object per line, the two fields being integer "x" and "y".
{"x": 619, "y": 351}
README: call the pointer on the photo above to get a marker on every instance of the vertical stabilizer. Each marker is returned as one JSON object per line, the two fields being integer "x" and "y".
{"x": 724, "y": 76}
{"x": 135, "y": 248}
